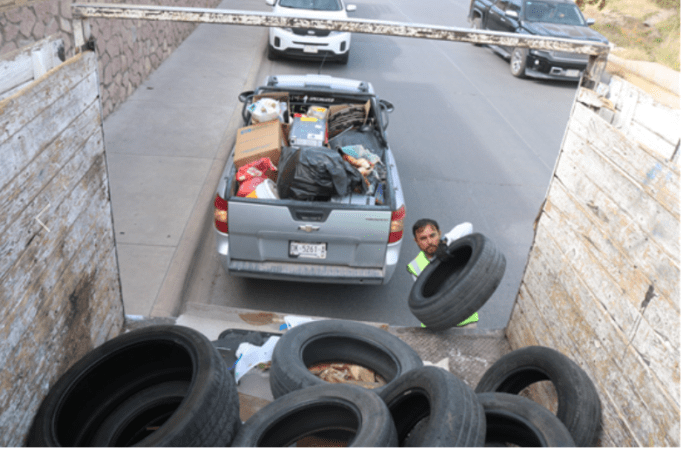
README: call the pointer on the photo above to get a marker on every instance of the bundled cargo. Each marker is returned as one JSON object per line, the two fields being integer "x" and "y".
{"x": 315, "y": 173}
{"x": 326, "y": 219}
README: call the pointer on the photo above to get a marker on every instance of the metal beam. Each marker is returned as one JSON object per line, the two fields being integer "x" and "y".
{"x": 388, "y": 28}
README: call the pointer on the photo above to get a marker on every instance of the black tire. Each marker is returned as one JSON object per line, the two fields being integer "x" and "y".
{"x": 162, "y": 385}
{"x": 512, "y": 419}
{"x": 448, "y": 292}
{"x": 337, "y": 341}
{"x": 335, "y": 411}
{"x": 476, "y": 24}
{"x": 344, "y": 58}
{"x": 433, "y": 408}
{"x": 579, "y": 407}
{"x": 518, "y": 62}
{"x": 272, "y": 54}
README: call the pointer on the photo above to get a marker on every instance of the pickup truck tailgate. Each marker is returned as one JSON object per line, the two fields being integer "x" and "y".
{"x": 329, "y": 235}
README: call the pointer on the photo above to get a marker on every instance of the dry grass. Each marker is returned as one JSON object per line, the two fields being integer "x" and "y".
{"x": 644, "y": 30}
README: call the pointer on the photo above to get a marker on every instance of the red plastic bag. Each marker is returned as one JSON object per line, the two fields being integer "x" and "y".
{"x": 259, "y": 168}
{"x": 249, "y": 186}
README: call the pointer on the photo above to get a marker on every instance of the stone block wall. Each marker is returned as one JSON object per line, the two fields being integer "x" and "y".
{"x": 128, "y": 51}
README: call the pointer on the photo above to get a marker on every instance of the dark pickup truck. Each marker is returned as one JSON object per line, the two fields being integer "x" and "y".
{"x": 553, "y": 18}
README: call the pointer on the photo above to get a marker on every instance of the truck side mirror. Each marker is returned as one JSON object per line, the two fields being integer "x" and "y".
{"x": 270, "y": 2}
{"x": 590, "y": 22}
{"x": 350, "y": 8}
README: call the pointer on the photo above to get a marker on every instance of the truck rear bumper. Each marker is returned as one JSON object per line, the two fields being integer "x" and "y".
{"x": 305, "y": 272}
{"x": 314, "y": 273}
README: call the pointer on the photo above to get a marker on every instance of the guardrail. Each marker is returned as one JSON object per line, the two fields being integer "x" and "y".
{"x": 597, "y": 52}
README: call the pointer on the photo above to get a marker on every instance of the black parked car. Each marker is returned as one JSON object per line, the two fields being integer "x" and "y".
{"x": 553, "y": 18}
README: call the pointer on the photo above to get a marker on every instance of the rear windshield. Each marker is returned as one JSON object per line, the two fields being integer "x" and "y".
{"x": 317, "y": 5}
{"x": 561, "y": 13}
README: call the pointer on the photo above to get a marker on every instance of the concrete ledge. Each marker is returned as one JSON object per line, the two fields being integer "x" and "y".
{"x": 661, "y": 82}
{"x": 658, "y": 74}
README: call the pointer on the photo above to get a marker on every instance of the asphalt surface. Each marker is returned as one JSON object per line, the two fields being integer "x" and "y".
{"x": 472, "y": 144}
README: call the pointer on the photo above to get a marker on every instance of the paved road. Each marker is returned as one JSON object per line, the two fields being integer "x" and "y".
{"x": 472, "y": 144}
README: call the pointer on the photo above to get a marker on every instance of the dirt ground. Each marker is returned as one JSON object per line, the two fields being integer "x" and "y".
{"x": 642, "y": 30}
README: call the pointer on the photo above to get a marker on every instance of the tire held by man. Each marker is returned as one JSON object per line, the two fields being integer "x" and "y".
{"x": 448, "y": 292}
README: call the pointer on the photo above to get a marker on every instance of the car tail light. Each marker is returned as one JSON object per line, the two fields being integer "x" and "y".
{"x": 221, "y": 214}
{"x": 397, "y": 223}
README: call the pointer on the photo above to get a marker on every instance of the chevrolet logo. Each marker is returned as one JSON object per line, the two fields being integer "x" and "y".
{"x": 308, "y": 228}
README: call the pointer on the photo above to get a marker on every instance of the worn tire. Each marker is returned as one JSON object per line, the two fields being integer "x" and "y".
{"x": 518, "y": 62}
{"x": 343, "y": 60}
{"x": 336, "y": 341}
{"x": 168, "y": 377}
{"x": 512, "y": 419}
{"x": 433, "y": 408}
{"x": 579, "y": 407}
{"x": 446, "y": 293}
{"x": 272, "y": 54}
{"x": 357, "y": 414}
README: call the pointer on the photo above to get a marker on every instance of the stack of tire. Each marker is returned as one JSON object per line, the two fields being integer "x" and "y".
{"x": 169, "y": 386}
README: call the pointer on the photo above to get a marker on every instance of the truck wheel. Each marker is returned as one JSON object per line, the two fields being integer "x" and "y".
{"x": 448, "y": 292}
{"x": 518, "y": 62}
{"x": 516, "y": 420}
{"x": 337, "y": 341}
{"x": 578, "y": 402}
{"x": 433, "y": 408}
{"x": 330, "y": 412}
{"x": 344, "y": 58}
{"x": 476, "y": 24}
{"x": 272, "y": 54}
{"x": 156, "y": 386}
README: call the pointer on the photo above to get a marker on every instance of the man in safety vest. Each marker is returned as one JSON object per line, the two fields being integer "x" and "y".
{"x": 427, "y": 235}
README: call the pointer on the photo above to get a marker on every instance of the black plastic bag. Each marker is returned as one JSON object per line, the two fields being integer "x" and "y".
{"x": 315, "y": 173}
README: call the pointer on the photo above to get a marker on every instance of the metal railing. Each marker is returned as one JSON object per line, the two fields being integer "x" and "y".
{"x": 597, "y": 52}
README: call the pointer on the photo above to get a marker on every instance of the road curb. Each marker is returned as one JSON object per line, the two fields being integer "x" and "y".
{"x": 172, "y": 292}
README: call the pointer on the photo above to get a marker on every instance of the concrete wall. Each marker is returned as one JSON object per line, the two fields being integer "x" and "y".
{"x": 60, "y": 293}
{"x": 603, "y": 275}
{"x": 128, "y": 51}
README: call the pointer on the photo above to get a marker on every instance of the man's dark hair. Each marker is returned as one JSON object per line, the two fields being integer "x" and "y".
{"x": 421, "y": 223}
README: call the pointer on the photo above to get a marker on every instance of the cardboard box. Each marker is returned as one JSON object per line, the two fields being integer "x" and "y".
{"x": 259, "y": 140}
{"x": 341, "y": 117}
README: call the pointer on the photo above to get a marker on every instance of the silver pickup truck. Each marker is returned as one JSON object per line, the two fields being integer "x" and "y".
{"x": 353, "y": 238}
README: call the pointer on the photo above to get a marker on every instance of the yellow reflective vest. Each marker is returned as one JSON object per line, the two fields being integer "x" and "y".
{"x": 416, "y": 266}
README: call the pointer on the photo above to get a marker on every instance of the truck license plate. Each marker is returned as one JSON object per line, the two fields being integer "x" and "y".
{"x": 310, "y": 49}
{"x": 308, "y": 250}
{"x": 574, "y": 73}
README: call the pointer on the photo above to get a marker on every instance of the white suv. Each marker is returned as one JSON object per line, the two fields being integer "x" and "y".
{"x": 310, "y": 43}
